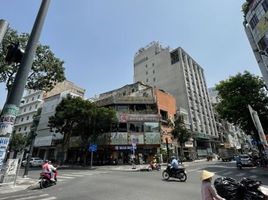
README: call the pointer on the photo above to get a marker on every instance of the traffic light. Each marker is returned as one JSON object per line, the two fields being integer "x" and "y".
{"x": 14, "y": 54}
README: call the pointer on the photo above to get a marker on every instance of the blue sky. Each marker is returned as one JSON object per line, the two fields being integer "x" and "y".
{"x": 97, "y": 39}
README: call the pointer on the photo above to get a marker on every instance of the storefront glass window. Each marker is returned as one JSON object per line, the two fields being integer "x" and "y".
{"x": 151, "y": 127}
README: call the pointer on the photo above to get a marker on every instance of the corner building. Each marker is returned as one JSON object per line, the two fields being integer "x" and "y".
{"x": 179, "y": 74}
{"x": 142, "y": 113}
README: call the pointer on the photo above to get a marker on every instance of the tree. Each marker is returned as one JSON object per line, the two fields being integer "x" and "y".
{"x": 180, "y": 132}
{"x": 47, "y": 70}
{"x": 77, "y": 117}
{"x": 236, "y": 93}
{"x": 18, "y": 142}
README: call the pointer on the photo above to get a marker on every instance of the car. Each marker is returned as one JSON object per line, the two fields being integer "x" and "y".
{"x": 34, "y": 162}
{"x": 244, "y": 160}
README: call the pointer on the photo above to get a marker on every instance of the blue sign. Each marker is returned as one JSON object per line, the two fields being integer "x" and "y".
{"x": 92, "y": 147}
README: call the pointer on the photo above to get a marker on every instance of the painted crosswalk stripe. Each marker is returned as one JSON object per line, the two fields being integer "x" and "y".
{"x": 13, "y": 196}
{"x": 48, "y": 198}
{"x": 32, "y": 197}
{"x": 67, "y": 177}
{"x": 75, "y": 175}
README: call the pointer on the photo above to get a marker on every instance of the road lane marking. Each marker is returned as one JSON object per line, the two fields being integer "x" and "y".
{"x": 227, "y": 173}
{"x": 32, "y": 197}
{"x": 240, "y": 174}
{"x": 49, "y": 198}
{"x": 65, "y": 177}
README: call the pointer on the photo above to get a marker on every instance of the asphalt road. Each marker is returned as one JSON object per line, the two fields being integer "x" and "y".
{"x": 108, "y": 184}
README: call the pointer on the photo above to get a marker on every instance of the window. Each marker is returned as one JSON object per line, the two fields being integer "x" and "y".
{"x": 22, "y": 119}
{"x": 24, "y": 110}
{"x": 263, "y": 44}
{"x": 146, "y": 72}
{"x": 153, "y": 71}
{"x": 27, "y": 100}
{"x": 151, "y": 127}
{"x": 265, "y": 5}
{"x": 38, "y": 96}
{"x": 146, "y": 66}
{"x": 32, "y": 98}
{"x": 254, "y": 21}
{"x": 147, "y": 80}
{"x": 30, "y": 108}
{"x": 174, "y": 57}
{"x": 135, "y": 127}
{"x": 27, "y": 118}
{"x": 152, "y": 64}
{"x": 154, "y": 79}
{"x": 25, "y": 128}
{"x": 36, "y": 105}
{"x": 19, "y": 129}
{"x": 164, "y": 115}
{"x": 122, "y": 127}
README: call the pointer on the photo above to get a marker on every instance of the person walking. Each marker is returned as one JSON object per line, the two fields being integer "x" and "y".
{"x": 207, "y": 191}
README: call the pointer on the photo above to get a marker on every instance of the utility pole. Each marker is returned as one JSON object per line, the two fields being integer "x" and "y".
{"x": 3, "y": 29}
{"x": 11, "y": 106}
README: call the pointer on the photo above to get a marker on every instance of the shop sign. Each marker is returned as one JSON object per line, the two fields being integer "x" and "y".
{"x": 152, "y": 138}
{"x": 189, "y": 144}
{"x": 202, "y": 136}
{"x": 125, "y": 147}
{"x": 138, "y": 138}
{"x": 12, "y": 165}
{"x": 119, "y": 138}
{"x": 124, "y": 117}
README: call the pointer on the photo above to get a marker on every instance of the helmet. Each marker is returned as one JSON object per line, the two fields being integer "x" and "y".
{"x": 173, "y": 157}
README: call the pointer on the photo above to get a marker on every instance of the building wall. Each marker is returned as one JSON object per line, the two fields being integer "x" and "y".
{"x": 180, "y": 75}
{"x": 31, "y": 101}
{"x": 64, "y": 86}
{"x": 257, "y": 32}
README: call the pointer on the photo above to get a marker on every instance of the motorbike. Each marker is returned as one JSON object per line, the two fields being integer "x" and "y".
{"x": 45, "y": 179}
{"x": 154, "y": 166}
{"x": 178, "y": 173}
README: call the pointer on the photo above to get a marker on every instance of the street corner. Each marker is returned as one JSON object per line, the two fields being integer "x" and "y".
{"x": 5, "y": 189}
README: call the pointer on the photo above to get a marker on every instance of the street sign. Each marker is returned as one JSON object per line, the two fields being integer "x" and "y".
{"x": 92, "y": 148}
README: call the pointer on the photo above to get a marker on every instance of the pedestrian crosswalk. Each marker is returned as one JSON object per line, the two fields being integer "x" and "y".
{"x": 37, "y": 194}
{"x": 28, "y": 195}
{"x": 72, "y": 175}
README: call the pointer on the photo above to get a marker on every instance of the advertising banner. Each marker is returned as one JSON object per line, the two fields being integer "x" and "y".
{"x": 119, "y": 138}
{"x": 152, "y": 138}
{"x": 7, "y": 121}
{"x": 137, "y": 138}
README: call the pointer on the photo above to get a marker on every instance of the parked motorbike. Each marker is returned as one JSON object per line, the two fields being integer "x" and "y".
{"x": 45, "y": 179}
{"x": 178, "y": 173}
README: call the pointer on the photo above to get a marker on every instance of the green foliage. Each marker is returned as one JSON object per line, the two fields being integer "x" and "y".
{"x": 236, "y": 93}
{"x": 179, "y": 130}
{"x": 77, "y": 117}
{"x": 46, "y": 71}
{"x": 18, "y": 142}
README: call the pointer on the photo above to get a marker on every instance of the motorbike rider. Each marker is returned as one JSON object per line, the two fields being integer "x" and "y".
{"x": 174, "y": 164}
{"x": 52, "y": 170}
{"x": 48, "y": 168}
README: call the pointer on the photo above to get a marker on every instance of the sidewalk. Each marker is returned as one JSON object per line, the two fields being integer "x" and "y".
{"x": 21, "y": 184}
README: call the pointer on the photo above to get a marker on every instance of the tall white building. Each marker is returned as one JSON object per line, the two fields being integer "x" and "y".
{"x": 256, "y": 27}
{"x": 178, "y": 73}
{"x": 30, "y": 103}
